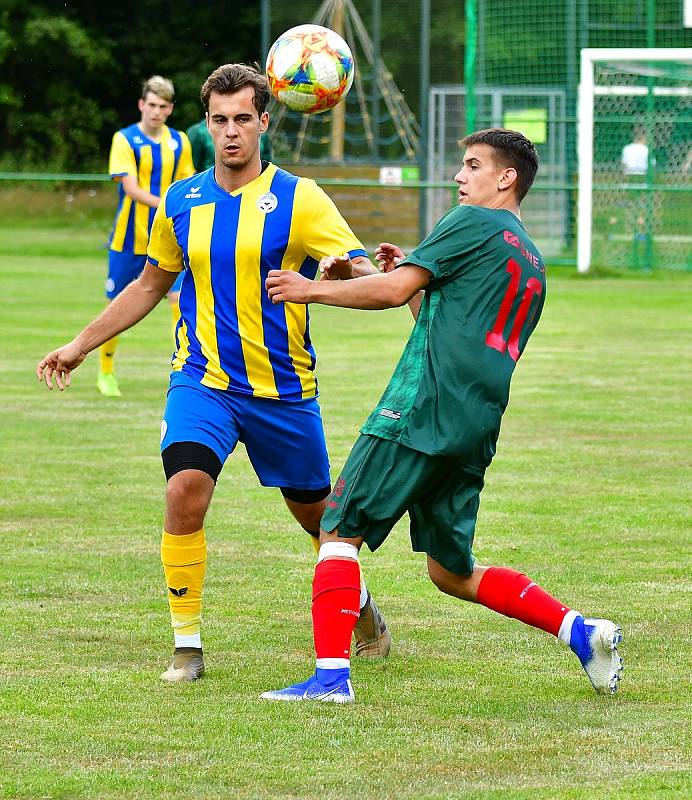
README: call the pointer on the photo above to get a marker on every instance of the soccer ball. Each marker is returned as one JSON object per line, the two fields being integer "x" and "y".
{"x": 310, "y": 69}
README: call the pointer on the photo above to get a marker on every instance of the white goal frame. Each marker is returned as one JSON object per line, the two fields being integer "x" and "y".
{"x": 585, "y": 114}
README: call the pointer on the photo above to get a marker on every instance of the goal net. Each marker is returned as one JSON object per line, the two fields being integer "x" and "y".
{"x": 635, "y": 158}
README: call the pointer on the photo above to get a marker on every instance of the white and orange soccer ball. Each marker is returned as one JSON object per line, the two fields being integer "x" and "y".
{"x": 310, "y": 69}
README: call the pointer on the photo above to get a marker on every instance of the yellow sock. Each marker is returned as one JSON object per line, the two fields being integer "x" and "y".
{"x": 184, "y": 561}
{"x": 175, "y": 315}
{"x": 107, "y": 355}
{"x": 315, "y": 543}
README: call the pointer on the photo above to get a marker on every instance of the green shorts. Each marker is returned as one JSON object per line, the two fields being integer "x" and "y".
{"x": 382, "y": 480}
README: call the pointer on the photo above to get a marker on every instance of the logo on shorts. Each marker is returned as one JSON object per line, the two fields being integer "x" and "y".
{"x": 164, "y": 429}
{"x": 267, "y": 203}
{"x": 390, "y": 414}
{"x": 110, "y": 285}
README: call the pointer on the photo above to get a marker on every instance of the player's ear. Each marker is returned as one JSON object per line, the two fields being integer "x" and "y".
{"x": 507, "y": 179}
{"x": 264, "y": 122}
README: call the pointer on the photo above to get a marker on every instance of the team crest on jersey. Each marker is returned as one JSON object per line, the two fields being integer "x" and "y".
{"x": 173, "y": 144}
{"x": 268, "y": 202}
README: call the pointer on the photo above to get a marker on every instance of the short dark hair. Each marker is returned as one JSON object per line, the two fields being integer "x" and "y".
{"x": 231, "y": 78}
{"x": 512, "y": 149}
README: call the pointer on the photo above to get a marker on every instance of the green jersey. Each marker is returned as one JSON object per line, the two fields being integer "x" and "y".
{"x": 451, "y": 386}
{"x": 202, "y": 145}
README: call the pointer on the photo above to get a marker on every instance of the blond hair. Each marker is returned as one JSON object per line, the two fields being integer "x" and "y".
{"x": 159, "y": 86}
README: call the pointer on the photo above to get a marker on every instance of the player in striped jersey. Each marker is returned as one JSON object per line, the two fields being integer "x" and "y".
{"x": 244, "y": 367}
{"x": 145, "y": 159}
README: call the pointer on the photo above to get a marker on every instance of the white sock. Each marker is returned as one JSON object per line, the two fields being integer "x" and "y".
{"x": 192, "y": 640}
{"x": 565, "y": 632}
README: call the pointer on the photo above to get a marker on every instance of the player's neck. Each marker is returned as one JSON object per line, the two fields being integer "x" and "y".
{"x": 154, "y": 134}
{"x": 231, "y": 179}
{"x": 508, "y": 204}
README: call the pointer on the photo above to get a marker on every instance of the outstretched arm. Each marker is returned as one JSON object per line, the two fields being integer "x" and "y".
{"x": 128, "y": 308}
{"x": 389, "y": 256}
{"x": 343, "y": 268}
{"x": 371, "y": 292}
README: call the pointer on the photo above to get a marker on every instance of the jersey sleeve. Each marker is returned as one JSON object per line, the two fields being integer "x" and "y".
{"x": 320, "y": 226}
{"x": 186, "y": 167}
{"x": 163, "y": 250}
{"x": 121, "y": 161}
{"x": 459, "y": 232}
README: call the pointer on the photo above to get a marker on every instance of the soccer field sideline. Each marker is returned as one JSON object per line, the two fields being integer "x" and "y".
{"x": 588, "y": 494}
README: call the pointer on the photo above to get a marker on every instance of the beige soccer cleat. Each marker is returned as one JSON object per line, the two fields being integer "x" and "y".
{"x": 373, "y": 639}
{"x": 187, "y": 665}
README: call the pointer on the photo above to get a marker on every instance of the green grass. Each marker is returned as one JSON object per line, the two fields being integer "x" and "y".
{"x": 588, "y": 495}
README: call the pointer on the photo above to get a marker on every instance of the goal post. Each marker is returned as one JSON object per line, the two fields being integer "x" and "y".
{"x": 634, "y": 205}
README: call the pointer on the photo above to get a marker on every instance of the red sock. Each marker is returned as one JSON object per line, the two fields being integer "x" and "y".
{"x": 335, "y": 606}
{"x": 514, "y": 595}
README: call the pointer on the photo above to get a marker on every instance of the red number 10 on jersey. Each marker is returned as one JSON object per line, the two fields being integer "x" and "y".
{"x": 494, "y": 338}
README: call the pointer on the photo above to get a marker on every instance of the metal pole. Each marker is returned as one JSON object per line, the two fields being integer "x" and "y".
{"x": 650, "y": 134}
{"x": 377, "y": 43}
{"x": 423, "y": 115}
{"x": 265, "y": 30}
{"x": 470, "y": 64}
{"x": 571, "y": 108}
{"x": 336, "y": 147}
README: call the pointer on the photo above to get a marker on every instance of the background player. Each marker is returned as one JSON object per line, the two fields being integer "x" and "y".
{"x": 426, "y": 446}
{"x": 145, "y": 159}
{"x": 244, "y": 368}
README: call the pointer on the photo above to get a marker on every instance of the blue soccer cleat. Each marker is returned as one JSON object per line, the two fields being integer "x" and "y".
{"x": 595, "y": 643}
{"x": 325, "y": 686}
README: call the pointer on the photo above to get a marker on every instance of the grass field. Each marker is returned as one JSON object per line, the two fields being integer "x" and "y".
{"x": 589, "y": 495}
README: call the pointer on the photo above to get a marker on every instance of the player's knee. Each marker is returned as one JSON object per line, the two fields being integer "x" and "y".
{"x": 307, "y": 506}
{"x": 188, "y": 494}
{"x": 449, "y": 583}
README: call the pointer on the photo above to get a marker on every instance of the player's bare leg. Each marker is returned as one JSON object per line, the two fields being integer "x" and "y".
{"x": 511, "y": 593}
{"x": 184, "y": 555}
{"x": 371, "y": 635}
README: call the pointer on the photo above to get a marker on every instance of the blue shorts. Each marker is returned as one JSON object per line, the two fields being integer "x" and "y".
{"x": 123, "y": 268}
{"x": 284, "y": 441}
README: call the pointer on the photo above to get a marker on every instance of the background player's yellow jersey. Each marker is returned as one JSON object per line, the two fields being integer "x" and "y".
{"x": 155, "y": 165}
{"x": 230, "y": 335}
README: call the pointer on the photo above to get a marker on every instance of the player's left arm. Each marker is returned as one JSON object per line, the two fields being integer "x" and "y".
{"x": 371, "y": 292}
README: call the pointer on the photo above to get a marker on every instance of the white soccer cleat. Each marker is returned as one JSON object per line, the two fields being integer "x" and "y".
{"x": 595, "y": 643}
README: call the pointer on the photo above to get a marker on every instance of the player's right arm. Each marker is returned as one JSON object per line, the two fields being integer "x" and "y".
{"x": 133, "y": 190}
{"x": 122, "y": 167}
{"x": 128, "y": 308}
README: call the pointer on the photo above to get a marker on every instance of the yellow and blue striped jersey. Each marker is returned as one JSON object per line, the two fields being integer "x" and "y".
{"x": 155, "y": 165}
{"x": 230, "y": 335}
